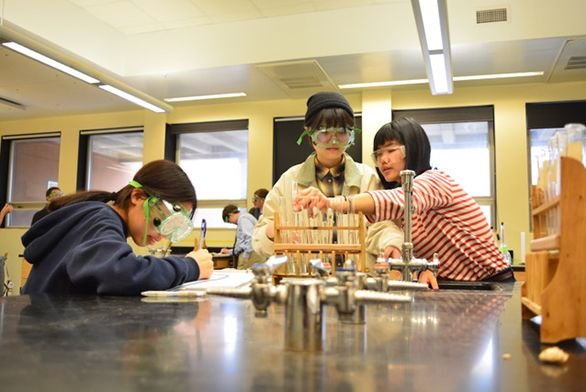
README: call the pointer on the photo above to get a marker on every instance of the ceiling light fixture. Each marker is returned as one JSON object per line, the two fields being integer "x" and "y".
{"x": 498, "y": 76}
{"x": 204, "y": 97}
{"x": 389, "y": 83}
{"x": 50, "y": 62}
{"x": 392, "y": 83}
{"x": 131, "y": 98}
{"x": 431, "y": 18}
{"x": 43, "y": 51}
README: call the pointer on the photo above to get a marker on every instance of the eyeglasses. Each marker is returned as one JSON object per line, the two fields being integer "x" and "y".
{"x": 378, "y": 154}
{"x": 329, "y": 137}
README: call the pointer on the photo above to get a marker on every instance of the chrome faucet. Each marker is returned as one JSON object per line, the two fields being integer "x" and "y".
{"x": 407, "y": 264}
{"x": 305, "y": 301}
{"x": 263, "y": 292}
{"x": 350, "y": 311}
{"x": 304, "y": 315}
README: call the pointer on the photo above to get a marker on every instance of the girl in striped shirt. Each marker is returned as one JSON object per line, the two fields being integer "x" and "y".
{"x": 446, "y": 219}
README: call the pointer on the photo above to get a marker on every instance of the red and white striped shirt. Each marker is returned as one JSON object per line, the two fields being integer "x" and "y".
{"x": 446, "y": 221}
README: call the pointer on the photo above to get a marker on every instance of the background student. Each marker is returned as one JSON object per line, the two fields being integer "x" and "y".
{"x": 7, "y": 209}
{"x": 258, "y": 200}
{"x": 50, "y": 195}
{"x": 242, "y": 251}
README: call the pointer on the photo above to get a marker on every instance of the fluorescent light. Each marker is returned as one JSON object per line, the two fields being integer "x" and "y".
{"x": 498, "y": 76}
{"x": 431, "y": 18}
{"x": 431, "y": 22}
{"x": 440, "y": 82}
{"x": 50, "y": 62}
{"x": 391, "y": 83}
{"x": 204, "y": 97}
{"x": 82, "y": 76}
{"x": 131, "y": 98}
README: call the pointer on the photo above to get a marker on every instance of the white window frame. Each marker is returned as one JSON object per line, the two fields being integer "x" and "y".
{"x": 30, "y": 206}
{"x": 209, "y": 209}
{"x": 463, "y": 115}
{"x": 84, "y": 183}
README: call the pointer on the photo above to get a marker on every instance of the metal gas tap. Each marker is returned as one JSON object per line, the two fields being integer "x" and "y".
{"x": 407, "y": 264}
{"x": 343, "y": 296}
{"x": 305, "y": 300}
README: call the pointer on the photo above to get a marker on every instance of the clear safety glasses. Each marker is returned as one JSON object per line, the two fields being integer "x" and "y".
{"x": 333, "y": 137}
{"x": 377, "y": 155}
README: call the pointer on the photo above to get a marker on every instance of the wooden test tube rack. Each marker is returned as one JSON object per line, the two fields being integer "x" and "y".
{"x": 556, "y": 265}
{"x": 321, "y": 250}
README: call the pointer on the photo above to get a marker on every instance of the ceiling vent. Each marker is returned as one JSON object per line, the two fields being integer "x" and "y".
{"x": 491, "y": 16}
{"x": 298, "y": 78}
{"x": 576, "y": 62}
{"x": 570, "y": 64}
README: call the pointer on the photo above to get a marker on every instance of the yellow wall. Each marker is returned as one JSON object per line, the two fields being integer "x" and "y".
{"x": 510, "y": 139}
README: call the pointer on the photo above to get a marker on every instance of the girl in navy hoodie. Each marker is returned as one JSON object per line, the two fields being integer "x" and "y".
{"x": 81, "y": 247}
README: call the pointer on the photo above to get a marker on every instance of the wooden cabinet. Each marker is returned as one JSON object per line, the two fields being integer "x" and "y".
{"x": 556, "y": 265}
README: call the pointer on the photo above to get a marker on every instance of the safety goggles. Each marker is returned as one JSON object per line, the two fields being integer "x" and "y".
{"x": 55, "y": 194}
{"x": 227, "y": 216}
{"x": 330, "y": 137}
{"x": 169, "y": 219}
{"x": 378, "y": 154}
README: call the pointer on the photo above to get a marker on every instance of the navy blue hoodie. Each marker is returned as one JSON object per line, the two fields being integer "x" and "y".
{"x": 82, "y": 249}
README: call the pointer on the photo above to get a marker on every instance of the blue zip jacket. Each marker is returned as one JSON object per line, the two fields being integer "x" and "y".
{"x": 82, "y": 249}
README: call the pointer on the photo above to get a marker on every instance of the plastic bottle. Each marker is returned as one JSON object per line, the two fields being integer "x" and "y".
{"x": 503, "y": 246}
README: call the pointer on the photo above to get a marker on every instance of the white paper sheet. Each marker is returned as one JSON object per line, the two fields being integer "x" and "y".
{"x": 226, "y": 278}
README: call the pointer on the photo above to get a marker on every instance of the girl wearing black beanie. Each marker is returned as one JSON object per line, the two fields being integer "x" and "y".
{"x": 329, "y": 128}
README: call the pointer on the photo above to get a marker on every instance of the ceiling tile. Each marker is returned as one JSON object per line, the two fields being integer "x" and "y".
{"x": 168, "y": 11}
{"x": 121, "y": 14}
{"x": 232, "y": 7}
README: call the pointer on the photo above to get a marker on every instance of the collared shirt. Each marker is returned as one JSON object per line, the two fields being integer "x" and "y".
{"x": 244, "y": 228}
{"x": 330, "y": 180}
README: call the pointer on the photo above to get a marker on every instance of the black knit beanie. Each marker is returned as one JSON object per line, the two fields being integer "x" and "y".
{"x": 326, "y": 100}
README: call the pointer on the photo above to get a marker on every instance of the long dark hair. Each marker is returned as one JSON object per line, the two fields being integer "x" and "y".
{"x": 410, "y": 134}
{"x": 163, "y": 179}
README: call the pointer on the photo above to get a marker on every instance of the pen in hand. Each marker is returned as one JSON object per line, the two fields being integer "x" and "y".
{"x": 202, "y": 234}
